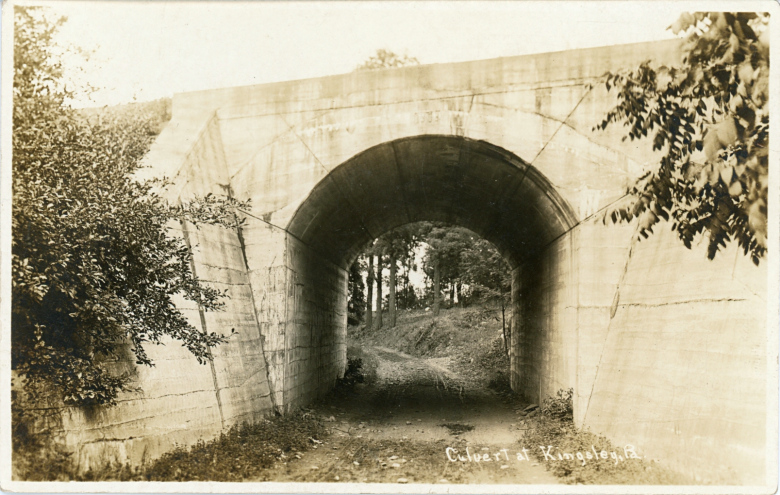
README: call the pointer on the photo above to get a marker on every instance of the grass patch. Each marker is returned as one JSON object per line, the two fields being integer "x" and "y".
{"x": 243, "y": 452}
{"x": 554, "y": 428}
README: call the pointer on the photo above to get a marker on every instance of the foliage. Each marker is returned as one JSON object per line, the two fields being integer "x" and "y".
{"x": 384, "y": 59}
{"x": 245, "y": 451}
{"x": 554, "y": 428}
{"x": 356, "y": 292}
{"x": 709, "y": 117}
{"x": 409, "y": 297}
{"x": 468, "y": 260}
{"x": 484, "y": 270}
{"x": 353, "y": 374}
{"x": 465, "y": 260}
{"x": 446, "y": 244}
{"x": 561, "y": 406}
{"x": 95, "y": 266}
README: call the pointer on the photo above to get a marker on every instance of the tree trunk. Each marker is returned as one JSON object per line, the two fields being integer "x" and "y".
{"x": 391, "y": 299}
{"x": 405, "y": 303}
{"x": 436, "y": 287}
{"x": 503, "y": 324}
{"x": 457, "y": 293}
{"x": 452, "y": 294}
{"x": 379, "y": 291}
{"x": 370, "y": 298}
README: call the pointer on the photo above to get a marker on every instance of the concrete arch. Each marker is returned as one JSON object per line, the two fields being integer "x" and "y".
{"x": 438, "y": 178}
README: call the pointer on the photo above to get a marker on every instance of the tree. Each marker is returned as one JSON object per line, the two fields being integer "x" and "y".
{"x": 385, "y": 59}
{"x": 446, "y": 243}
{"x": 488, "y": 277}
{"x": 398, "y": 245}
{"x": 94, "y": 265}
{"x": 370, "y": 298}
{"x": 379, "y": 268}
{"x": 709, "y": 117}
{"x": 356, "y": 302}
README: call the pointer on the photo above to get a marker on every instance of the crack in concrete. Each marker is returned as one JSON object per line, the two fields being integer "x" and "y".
{"x": 612, "y": 312}
{"x": 676, "y": 303}
{"x": 574, "y": 109}
{"x": 290, "y": 129}
{"x": 328, "y": 174}
{"x": 202, "y": 314}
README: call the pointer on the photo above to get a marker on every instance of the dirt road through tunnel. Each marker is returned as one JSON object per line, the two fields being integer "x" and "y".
{"x": 397, "y": 426}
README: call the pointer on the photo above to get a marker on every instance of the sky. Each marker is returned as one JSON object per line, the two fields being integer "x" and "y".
{"x": 148, "y": 50}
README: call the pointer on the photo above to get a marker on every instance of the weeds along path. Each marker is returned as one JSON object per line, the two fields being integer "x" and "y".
{"x": 397, "y": 425}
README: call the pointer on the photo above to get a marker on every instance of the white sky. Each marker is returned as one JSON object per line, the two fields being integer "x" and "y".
{"x": 150, "y": 50}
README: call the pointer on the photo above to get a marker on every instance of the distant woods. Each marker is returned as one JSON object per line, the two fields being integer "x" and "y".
{"x": 457, "y": 268}
{"x": 386, "y": 59}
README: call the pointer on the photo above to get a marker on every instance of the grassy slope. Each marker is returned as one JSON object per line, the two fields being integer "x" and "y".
{"x": 472, "y": 337}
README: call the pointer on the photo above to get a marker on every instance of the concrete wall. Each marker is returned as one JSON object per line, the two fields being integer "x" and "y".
{"x": 682, "y": 369}
{"x": 665, "y": 349}
{"x": 544, "y": 351}
{"x": 299, "y": 299}
{"x": 317, "y": 330}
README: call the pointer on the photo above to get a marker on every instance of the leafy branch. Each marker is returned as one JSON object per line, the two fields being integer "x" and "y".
{"x": 710, "y": 120}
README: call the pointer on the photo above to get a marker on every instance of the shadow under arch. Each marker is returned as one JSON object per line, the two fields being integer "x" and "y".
{"x": 451, "y": 179}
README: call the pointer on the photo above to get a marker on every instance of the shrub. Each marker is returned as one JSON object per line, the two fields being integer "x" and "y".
{"x": 554, "y": 428}
{"x": 561, "y": 406}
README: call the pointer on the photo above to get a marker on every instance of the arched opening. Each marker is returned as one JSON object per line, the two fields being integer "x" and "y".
{"x": 448, "y": 179}
{"x": 437, "y": 178}
{"x": 455, "y": 181}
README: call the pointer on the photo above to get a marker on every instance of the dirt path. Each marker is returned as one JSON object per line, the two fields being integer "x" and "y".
{"x": 397, "y": 428}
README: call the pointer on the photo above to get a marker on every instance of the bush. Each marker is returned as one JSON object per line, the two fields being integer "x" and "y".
{"x": 353, "y": 374}
{"x": 561, "y": 406}
{"x": 243, "y": 452}
{"x": 554, "y": 428}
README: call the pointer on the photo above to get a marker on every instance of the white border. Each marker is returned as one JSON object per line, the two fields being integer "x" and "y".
{"x": 773, "y": 309}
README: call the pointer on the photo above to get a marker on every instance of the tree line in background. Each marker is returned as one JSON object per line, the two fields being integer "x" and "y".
{"x": 453, "y": 260}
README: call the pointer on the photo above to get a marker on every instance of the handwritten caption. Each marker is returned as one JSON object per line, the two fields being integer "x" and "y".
{"x": 548, "y": 454}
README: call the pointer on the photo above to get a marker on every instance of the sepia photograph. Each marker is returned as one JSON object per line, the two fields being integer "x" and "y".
{"x": 389, "y": 247}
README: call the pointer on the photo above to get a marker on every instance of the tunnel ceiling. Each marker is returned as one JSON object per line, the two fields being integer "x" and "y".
{"x": 436, "y": 178}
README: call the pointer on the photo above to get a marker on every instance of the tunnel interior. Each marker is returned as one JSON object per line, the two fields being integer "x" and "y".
{"x": 447, "y": 179}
